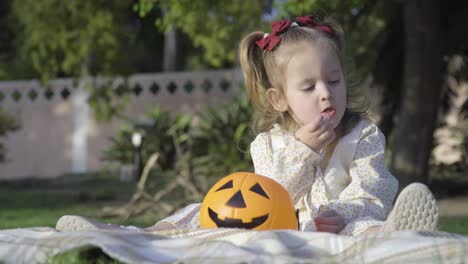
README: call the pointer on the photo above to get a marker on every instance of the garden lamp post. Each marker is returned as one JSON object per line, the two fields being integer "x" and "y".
{"x": 137, "y": 139}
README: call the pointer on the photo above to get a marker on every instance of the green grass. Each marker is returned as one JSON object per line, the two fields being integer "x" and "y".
{"x": 91, "y": 255}
{"x": 458, "y": 224}
{"x": 41, "y": 203}
{"x": 32, "y": 203}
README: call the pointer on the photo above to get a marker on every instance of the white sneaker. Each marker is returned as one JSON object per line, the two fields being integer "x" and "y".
{"x": 414, "y": 209}
{"x": 79, "y": 223}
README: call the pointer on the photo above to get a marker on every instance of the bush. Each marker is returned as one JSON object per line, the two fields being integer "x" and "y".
{"x": 158, "y": 136}
{"x": 210, "y": 145}
{"x": 222, "y": 139}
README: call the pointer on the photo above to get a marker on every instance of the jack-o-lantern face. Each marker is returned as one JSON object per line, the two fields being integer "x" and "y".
{"x": 248, "y": 200}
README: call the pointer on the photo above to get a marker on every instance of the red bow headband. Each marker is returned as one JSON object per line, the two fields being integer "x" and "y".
{"x": 269, "y": 41}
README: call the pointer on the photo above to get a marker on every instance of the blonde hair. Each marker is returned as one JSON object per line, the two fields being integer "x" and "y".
{"x": 264, "y": 69}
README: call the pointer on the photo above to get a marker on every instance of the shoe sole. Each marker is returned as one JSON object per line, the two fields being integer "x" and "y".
{"x": 416, "y": 209}
{"x": 75, "y": 223}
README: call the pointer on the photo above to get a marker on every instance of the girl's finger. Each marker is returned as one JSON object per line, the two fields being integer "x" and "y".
{"x": 328, "y": 228}
{"x": 326, "y": 136}
{"x": 326, "y": 124}
{"x": 334, "y": 220}
{"x": 324, "y": 211}
{"x": 314, "y": 125}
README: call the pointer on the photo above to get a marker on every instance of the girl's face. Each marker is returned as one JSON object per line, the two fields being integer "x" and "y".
{"x": 314, "y": 83}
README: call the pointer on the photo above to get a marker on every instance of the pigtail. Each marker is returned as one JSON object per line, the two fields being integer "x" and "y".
{"x": 253, "y": 68}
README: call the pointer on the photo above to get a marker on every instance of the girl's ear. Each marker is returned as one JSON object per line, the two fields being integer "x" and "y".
{"x": 277, "y": 100}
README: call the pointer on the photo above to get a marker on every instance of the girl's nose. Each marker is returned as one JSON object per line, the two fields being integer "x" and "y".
{"x": 324, "y": 91}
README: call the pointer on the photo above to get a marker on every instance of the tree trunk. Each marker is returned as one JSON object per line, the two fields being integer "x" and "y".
{"x": 387, "y": 76}
{"x": 412, "y": 142}
{"x": 170, "y": 50}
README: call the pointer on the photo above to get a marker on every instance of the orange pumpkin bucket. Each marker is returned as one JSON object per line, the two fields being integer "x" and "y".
{"x": 248, "y": 200}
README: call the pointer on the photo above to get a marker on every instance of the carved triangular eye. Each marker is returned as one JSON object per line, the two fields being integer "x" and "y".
{"x": 259, "y": 190}
{"x": 227, "y": 185}
{"x": 237, "y": 201}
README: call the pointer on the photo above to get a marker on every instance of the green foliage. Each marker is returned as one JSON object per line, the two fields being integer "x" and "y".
{"x": 211, "y": 144}
{"x": 321, "y": 7}
{"x": 161, "y": 132}
{"x": 365, "y": 24}
{"x": 49, "y": 39}
{"x": 222, "y": 139}
{"x": 215, "y": 26}
{"x": 80, "y": 38}
{"x": 65, "y": 36}
{"x": 218, "y": 26}
{"x": 7, "y": 124}
{"x": 105, "y": 104}
{"x": 73, "y": 38}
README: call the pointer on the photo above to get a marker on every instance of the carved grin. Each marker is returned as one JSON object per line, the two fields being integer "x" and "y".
{"x": 231, "y": 222}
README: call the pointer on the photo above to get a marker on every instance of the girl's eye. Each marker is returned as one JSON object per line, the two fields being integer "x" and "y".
{"x": 309, "y": 88}
{"x": 334, "y": 82}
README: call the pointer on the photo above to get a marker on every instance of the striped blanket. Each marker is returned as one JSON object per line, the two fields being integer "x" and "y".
{"x": 36, "y": 245}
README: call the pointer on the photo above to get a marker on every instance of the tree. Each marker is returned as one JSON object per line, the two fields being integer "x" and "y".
{"x": 11, "y": 65}
{"x": 422, "y": 82}
{"x": 214, "y": 26}
{"x": 79, "y": 39}
{"x": 68, "y": 37}
{"x": 137, "y": 45}
{"x": 6, "y": 46}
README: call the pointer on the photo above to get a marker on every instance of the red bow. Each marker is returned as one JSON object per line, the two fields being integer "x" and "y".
{"x": 308, "y": 21}
{"x": 269, "y": 42}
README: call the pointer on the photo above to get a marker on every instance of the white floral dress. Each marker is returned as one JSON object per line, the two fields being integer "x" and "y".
{"x": 355, "y": 183}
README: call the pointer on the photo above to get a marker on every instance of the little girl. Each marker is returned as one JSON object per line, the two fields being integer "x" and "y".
{"x": 326, "y": 154}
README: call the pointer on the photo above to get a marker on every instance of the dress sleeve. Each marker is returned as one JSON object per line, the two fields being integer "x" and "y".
{"x": 286, "y": 160}
{"x": 372, "y": 188}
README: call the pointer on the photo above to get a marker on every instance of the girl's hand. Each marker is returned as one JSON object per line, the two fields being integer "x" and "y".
{"x": 316, "y": 134}
{"x": 329, "y": 221}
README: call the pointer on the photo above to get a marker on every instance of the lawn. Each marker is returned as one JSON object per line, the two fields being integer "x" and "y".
{"x": 42, "y": 202}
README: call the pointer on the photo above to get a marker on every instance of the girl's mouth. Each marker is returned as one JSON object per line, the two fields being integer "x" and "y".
{"x": 329, "y": 113}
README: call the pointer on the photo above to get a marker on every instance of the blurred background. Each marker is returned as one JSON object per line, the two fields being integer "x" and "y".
{"x": 125, "y": 111}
